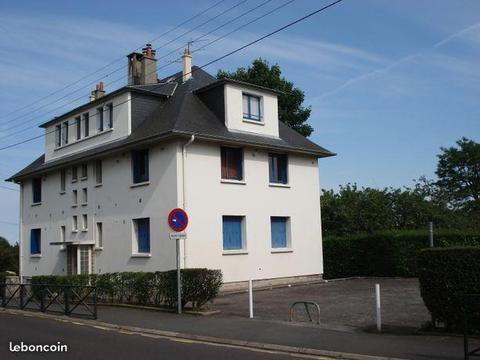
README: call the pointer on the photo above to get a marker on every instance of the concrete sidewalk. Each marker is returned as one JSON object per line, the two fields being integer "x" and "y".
{"x": 294, "y": 335}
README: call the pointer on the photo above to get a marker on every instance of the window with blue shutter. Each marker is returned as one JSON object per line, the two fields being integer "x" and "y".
{"x": 279, "y": 231}
{"x": 35, "y": 241}
{"x": 278, "y": 164}
{"x": 232, "y": 232}
{"x": 143, "y": 235}
{"x": 140, "y": 166}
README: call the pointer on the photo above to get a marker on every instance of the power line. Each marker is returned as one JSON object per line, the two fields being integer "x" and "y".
{"x": 207, "y": 64}
{"x": 107, "y": 75}
{"x": 116, "y": 60}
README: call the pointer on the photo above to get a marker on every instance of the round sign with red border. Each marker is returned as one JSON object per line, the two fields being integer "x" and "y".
{"x": 178, "y": 220}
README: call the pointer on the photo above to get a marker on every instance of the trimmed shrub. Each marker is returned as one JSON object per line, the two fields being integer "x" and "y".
{"x": 387, "y": 253}
{"x": 445, "y": 276}
{"x": 146, "y": 288}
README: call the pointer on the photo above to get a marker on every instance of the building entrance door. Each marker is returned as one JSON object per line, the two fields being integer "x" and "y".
{"x": 79, "y": 259}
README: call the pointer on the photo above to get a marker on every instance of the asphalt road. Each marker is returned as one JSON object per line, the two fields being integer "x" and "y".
{"x": 85, "y": 342}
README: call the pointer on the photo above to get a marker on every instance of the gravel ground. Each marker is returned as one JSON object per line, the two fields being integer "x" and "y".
{"x": 348, "y": 303}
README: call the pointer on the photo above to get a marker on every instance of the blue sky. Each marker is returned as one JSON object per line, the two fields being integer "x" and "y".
{"x": 389, "y": 82}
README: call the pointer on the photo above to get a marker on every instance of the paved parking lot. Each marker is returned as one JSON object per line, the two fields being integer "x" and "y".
{"x": 349, "y": 303}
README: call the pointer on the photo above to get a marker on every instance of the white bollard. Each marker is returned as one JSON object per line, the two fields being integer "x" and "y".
{"x": 250, "y": 297}
{"x": 379, "y": 307}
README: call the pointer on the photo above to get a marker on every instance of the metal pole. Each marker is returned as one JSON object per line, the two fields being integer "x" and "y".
{"x": 250, "y": 297}
{"x": 430, "y": 229}
{"x": 378, "y": 307}
{"x": 179, "y": 279}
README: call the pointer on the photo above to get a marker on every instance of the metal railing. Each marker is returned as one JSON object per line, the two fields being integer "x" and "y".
{"x": 307, "y": 310}
{"x": 471, "y": 304}
{"x": 71, "y": 300}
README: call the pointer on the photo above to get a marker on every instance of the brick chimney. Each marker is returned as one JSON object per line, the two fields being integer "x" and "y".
{"x": 98, "y": 92}
{"x": 142, "y": 68}
{"x": 187, "y": 64}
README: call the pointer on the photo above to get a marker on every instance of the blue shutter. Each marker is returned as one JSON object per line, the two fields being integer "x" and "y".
{"x": 35, "y": 241}
{"x": 143, "y": 235}
{"x": 279, "y": 232}
{"x": 232, "y": 232}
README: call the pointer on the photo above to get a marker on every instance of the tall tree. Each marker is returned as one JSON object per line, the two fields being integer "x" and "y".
{"x": 458, "y": 172}
{"x": 291, "y": 110}
{"x": 8, "y": 256}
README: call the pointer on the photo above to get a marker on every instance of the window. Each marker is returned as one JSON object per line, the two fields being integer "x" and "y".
{"x": 37, "y": 190}
{"x": 277, "y": 164}
{"x": 99, "y": 233}
{"x": 232, "y": 163}
{"x": 74, "y": 197}
{"x": 63, "y": 180}
{"x": 140, "y": 166}
{"x": 62, "y": 233}
{"x": 35, "y": 241}
{"x": 279, "y": 231}
{"x": 84, "y": 196}
{"x": 100, "y": 119}
{"x": 74, "y": 223}
{"x": 251, "y": 107}
{"x": 78, "y": 125}
{"x": 233, "y": 238}
{"x": 142, "y": 235}
{"x": 86, "y": 124}
{"x": 58, "y": 135}
{"x": 84, "y": 171}
{"x": 74, "y": 174}
{"x": 98, "y": 172}
{"x": 109, "y": 109}
{"x": 84, "y": 222}
{"x": 65, "y": 133}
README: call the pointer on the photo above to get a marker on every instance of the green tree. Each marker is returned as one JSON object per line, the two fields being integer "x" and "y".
{"x": 8, "y": 256}
{"x": 291, "y": 110}
{"x": 458, "y": 172}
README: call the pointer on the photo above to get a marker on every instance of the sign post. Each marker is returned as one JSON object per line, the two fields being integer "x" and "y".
{"x": 178, "y": 221}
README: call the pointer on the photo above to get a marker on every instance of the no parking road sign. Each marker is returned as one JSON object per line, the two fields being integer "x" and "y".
{"x": 177, "y": 220}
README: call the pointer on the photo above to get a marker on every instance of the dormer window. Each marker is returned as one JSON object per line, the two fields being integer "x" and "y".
{"x": 65, "y": 133}
{"x": 58, "y": 135}
{"x": 252, "y": 107}
{"x": 100, "y": 119}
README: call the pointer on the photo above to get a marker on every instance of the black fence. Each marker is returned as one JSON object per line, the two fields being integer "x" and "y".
{"x": 471, "y": 312}
{"x": 71, "y": 300}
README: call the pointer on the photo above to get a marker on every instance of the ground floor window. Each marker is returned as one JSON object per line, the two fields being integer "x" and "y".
{"x": 142, "y": 235}
{"x": 233, "y": 233}
{"x": 279, "y": 231}
{"x": 35, "y": 241}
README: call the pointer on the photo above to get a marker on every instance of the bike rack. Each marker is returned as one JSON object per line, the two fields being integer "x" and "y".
{"x": 307, "y": 310}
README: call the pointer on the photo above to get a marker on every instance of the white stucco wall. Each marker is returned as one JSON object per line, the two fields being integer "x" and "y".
{"x": 115, "y": 204}
{"x": 121, "y": 128}
{"x": 234, "y": 111}
{"x": 208, "y": 199}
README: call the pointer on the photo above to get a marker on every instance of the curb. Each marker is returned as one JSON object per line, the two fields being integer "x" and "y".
{"x": 207, "y": 339}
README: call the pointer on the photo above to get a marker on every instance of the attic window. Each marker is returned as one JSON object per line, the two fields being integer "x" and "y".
{"x": 251, "y": 107}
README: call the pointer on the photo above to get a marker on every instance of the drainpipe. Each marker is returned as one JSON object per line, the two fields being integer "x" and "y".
{"x": 20, "y": 240}
{"x": 184, "y": 195}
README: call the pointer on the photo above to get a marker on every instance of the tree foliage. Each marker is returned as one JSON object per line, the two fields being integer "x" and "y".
{"x": 291, "y": 110}
{"x": 8, "y": 256}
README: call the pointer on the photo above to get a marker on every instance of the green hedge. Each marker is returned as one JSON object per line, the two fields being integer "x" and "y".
{"x": 445, "y": 275}
{"x": 387, "y": 253}
{"x": 146, "y": 288}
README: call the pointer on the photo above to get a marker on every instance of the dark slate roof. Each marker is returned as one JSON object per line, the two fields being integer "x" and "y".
{"x": 181, "y": 113}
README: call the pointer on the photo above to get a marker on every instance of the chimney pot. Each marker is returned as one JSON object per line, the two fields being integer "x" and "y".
{"x": 98, "y": 92}
{"x": 186, "y": 64}
{"x": 142, "y": 68}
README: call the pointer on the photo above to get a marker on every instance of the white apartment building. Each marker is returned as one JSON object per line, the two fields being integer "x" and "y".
{"x": 97, "y": 200}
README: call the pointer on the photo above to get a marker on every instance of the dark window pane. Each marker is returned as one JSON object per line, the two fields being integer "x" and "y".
{"x": 37, "y": 190}
{"x": 143, "y": 235}
{"x": 278, "y": 165}
{"x": 231, "y": 163}
{"x": 140, "y": 166}
{"x": 35, "y": 241}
